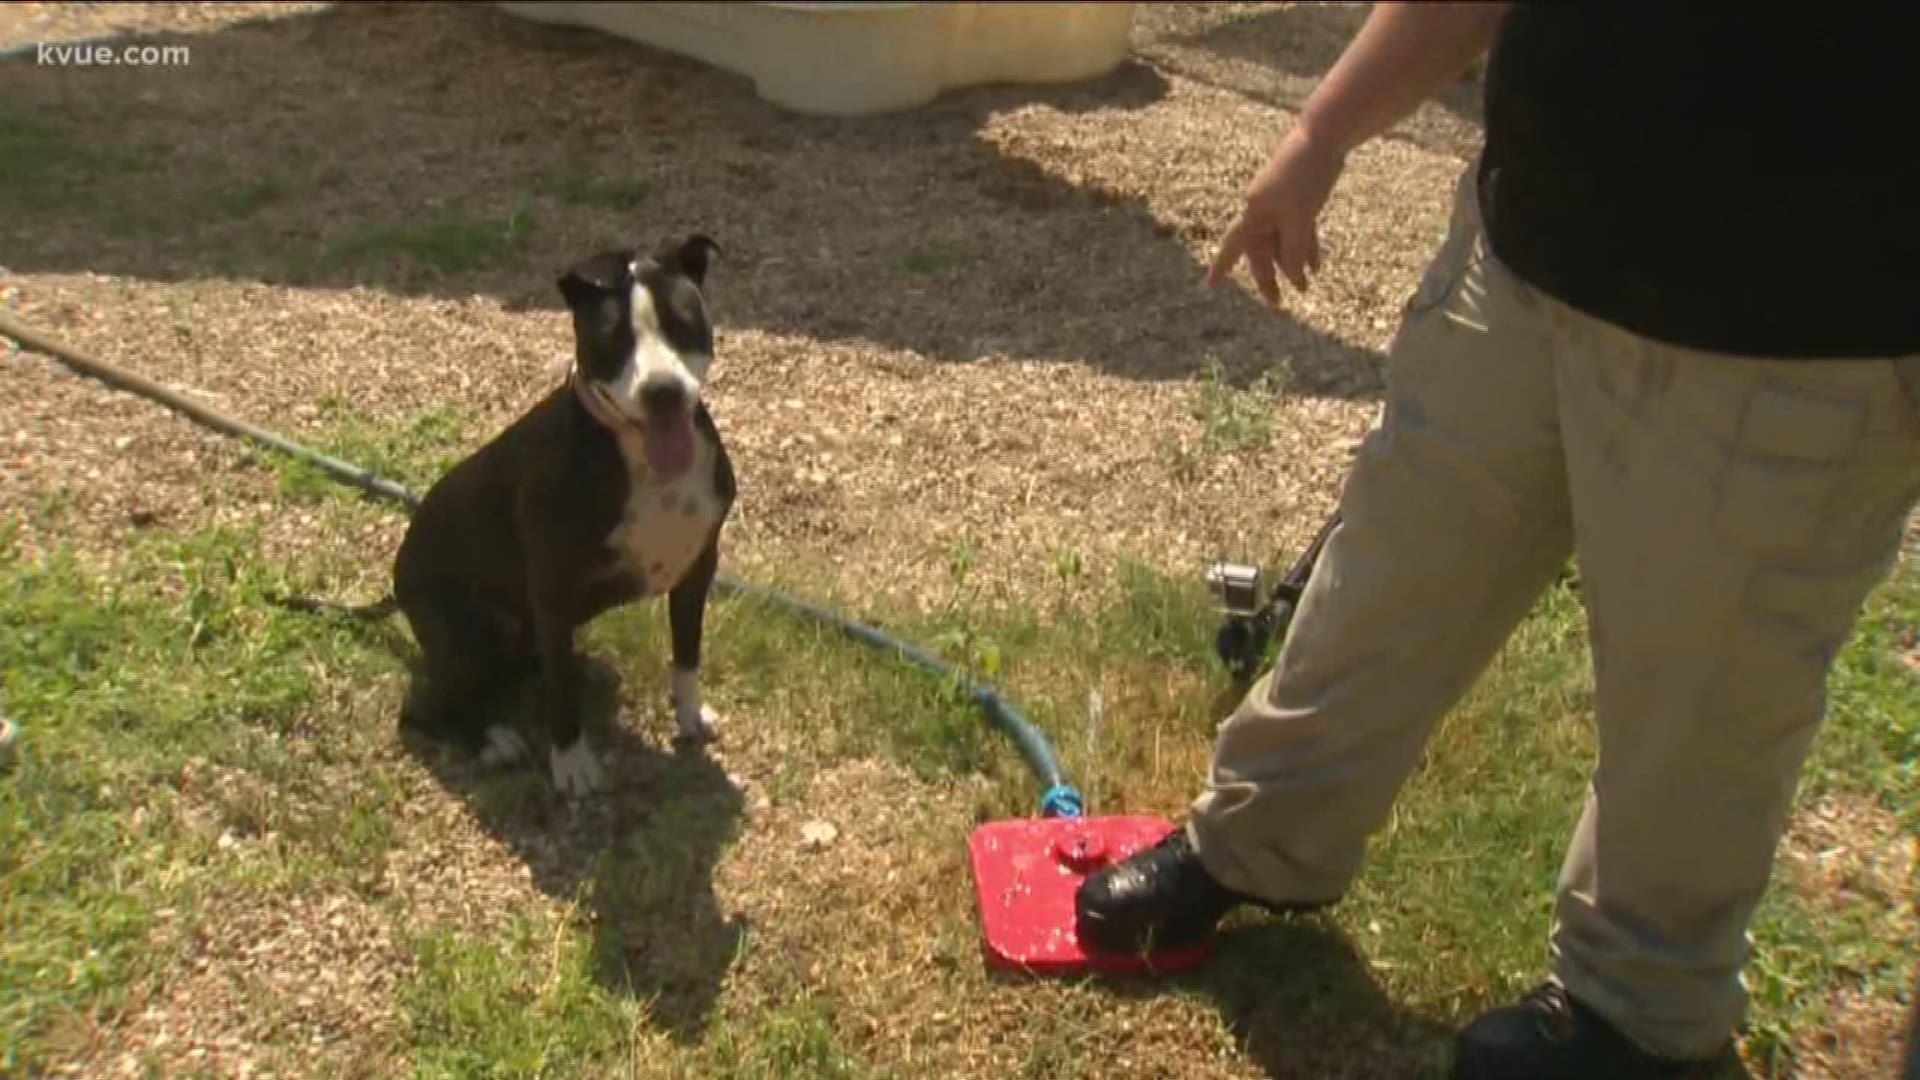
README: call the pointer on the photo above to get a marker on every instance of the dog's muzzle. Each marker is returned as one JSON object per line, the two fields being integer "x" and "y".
{"x": 663, "y": 397}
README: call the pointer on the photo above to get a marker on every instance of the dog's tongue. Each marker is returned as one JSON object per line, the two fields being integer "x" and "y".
{"x": 669, "y": 444}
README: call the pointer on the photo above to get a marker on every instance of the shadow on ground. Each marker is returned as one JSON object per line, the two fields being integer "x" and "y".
{"x": 1276, "y": 53}
{"x": 1301, "y": 1000}
{"x": 450, "y": 150}
{"x": 1302, "y": 1003}
{"x": 638, "y": 858}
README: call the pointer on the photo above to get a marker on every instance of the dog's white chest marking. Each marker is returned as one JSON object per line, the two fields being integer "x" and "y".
{"x": 666, "y": 524}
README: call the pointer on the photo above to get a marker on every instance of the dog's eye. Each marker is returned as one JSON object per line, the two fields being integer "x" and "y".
{"x": 608, "y": 315}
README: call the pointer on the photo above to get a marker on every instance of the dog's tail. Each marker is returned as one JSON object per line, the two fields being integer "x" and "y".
{"x": 379, "y": 609}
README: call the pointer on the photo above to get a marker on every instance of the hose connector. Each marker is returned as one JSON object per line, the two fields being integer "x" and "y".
{"x": 1061, "y": 800}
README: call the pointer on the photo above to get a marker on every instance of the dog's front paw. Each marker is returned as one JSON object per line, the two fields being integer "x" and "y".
{"x": 504, "y": 746}
{"x": 576, "y": 772}
{"x": 698, "y": 726}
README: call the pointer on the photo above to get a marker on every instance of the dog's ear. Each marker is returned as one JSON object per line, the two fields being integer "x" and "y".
{"x": 691, "y": 256}
{"x": 597, "y": 275}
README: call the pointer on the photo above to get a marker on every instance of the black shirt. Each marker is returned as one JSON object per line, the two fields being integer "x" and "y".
{"x": 1738, "y": 179}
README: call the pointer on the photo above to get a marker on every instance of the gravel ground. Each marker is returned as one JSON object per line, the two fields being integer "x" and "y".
{"x": 1048, "y": 323}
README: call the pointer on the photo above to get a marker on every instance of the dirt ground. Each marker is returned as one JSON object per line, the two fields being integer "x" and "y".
{"x": 1032, "y": 387}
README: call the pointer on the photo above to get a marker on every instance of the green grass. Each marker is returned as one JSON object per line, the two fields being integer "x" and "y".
{"x": 413, "y": 454}
{"x": 1234, "y": 419}
{"x": 798, "y": 1039}
{"x": 35, "y": 160}
{"x": 580, "y": 187}
{"x": 1869, "y": 751}
{"x": 523, "y": 1004}
{"x": 1873, "y": 746}
{"x": 52, "y": 166}
{"x": 241, "y": 198}
{"x": 141, "y": 683}
{"x": 133, "y": 690}
{"x": 930, "y": 260}
{"x": 449, "y": 243}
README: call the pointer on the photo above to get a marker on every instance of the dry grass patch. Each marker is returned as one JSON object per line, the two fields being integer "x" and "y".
{"x": 292, "y": 988}
{"x": 1847, "y": 851}
{"x": 1845, "y": 856}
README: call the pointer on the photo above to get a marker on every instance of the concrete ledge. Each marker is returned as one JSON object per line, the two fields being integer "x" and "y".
{"x": 851, "y": 59}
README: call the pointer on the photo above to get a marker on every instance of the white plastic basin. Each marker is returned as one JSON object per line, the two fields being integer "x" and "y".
{"x": 848, "y": 59}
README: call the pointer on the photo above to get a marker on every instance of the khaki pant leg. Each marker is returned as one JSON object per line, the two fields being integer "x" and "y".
{"x": 1731, "y": 516}
{"x": 1454, "y": 518}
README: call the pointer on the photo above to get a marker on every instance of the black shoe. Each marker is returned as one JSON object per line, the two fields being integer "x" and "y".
{"x": 1160, "y": 898}
{"x": 1549, "y": 1035}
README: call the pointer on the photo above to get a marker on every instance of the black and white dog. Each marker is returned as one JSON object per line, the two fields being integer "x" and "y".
{"x": 613, "y": 488}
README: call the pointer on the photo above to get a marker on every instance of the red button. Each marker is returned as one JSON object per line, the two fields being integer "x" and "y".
{"x": 1081, "y": 851}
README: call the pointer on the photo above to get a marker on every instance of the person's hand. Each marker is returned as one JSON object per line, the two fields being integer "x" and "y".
{"x": 1277, "y": 228}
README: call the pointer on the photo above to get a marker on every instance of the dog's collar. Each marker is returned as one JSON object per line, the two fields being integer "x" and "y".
{"x": 602, "y": 413}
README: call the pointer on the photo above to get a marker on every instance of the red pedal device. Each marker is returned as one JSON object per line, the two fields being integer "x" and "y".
{"x": 1025, "y": 873}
